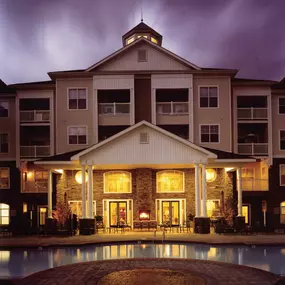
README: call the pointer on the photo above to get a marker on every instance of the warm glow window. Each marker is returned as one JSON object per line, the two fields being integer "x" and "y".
{"x": 117, "y": 182}
{"x": 170, "y": 181}
{"x": 154, "y": 40}
{"x": 213, "y": 208}
{"x": 41, "y": 178}
{"x": 4, "y": 178}
{"x": 282, "y": 213}
{"x": 282, "y": 174}
{"x": 76, "y": 208}
{"x": 4, "y": 214}
{"x": 245, "y": 213}
{"x": 77, "y": 99}
{"x": 129, "y": 41}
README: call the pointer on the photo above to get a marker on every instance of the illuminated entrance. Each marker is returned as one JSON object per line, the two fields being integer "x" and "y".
{"x": 118, "y": 213}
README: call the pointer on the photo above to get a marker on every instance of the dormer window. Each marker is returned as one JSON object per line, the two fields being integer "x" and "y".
{"x": 130, "y": 40}
{"x": 145, "y": 36}
{"x": 154, "y": 40}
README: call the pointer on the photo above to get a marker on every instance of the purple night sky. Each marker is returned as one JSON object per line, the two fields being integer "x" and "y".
{"x": 37, "y": 36}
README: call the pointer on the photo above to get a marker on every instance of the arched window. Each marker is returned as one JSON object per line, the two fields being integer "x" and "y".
{"x": 117, "y": 182}
{"x": 170, "y": 181}
{"x": 282, "y": 213}
{"x": 4, "y": 214}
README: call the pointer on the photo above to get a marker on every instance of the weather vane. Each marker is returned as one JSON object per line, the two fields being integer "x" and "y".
{"x": 141, "y": 14}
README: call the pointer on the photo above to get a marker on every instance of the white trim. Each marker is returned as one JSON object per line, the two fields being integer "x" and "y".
{"x": 67, "y": 98}
{"x": 51, "y": 128}
{"x": 236, "y": 160}
{"x": 204, "y": 124}
{"x": 218, "y": 96}
{"x": 269, "y": 128}
{"x": 117, "y": 171}
{"x": 283, "y": 97}
{"x": 191, "y": 110}
{"x": 9, "y": 177}
{"x": 280, "y": 166}
{"x": 142, "y": 39}
{"x": 17, "y": 130}
{"x": 77, "y": 126}
{"x": 6, "y": 101}
{"x": 8, "y": 152}
{"x": 170, "y": 170}
{"x": 54, "y": 162}
{"x": 136, "y": 126}
{"x": 95, "y": 114}
{"x": 280, "y": 130}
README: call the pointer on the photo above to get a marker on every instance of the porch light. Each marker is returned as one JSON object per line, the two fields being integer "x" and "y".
{"x": 78, "y": 177}
{"x": 211, "y": 175}
{"x": 29, "y": 174}
{"x": 59, "y": 171}
{"x": 227, "y": 169}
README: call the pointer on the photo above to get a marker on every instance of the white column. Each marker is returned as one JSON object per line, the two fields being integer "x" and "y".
{"x": 239, "y": 190}
{"x": 204, "y": 191}
{"x": 197, "y": 191}
{"x": 50, "y": 194}
{"x": 90, "y": 192}
{"x": 83, "y": 192}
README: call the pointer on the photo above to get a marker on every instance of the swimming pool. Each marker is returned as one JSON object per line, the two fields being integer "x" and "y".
{"x": 17, "y": 263}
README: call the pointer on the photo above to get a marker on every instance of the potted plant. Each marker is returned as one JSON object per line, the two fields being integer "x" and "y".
{"x": 99, "y": 222}
{"x": 62, "y": 215}
{"x": 190, "y": 220}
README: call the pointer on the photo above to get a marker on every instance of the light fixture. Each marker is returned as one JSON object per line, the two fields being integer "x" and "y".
{"x": 227, "y": 169}
{"x": 59, "y": 171}
{"x": 78, "y": 177}
{"x": 211, "y": 175}
{"x": 29, "y": 174}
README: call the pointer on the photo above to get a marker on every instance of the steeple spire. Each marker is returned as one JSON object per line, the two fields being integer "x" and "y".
{"x": 141, "y": 14}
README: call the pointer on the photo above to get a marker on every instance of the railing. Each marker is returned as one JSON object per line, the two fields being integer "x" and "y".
{"x": 253, "y": 148}
{"x": 34, "y": 151}
{"x": 35, "y": 116}
{"x": 40, "y": 186}
{"x": 172, "y": 108}
{"x": 252, "y": 113}
{"x": 251, "y": 184}
{"x": 114, "y": 109}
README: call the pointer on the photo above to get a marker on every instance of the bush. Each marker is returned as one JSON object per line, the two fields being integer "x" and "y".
{"x": 62, "y": 215}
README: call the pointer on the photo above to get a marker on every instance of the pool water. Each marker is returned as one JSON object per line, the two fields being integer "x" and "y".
{"x": 17, "y": 263}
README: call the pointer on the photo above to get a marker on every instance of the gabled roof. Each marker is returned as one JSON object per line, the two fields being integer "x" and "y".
{"x": 141, "y": 28}
{"x": 5, "y": 89}
{"x": 135, "y": 43}
{"x": 248, "y": 81}
{"x": 34, "y": 85}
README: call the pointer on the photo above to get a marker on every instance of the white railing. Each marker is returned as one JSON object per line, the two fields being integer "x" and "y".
{"x": 34, "y": 151}
{"x": 251, "y": 184}
{"x": 35, "y": 116}
{"x": 40, "y": 186}
{"x": 252, "y": 113}
{"x": 114, "y": 108}
{"x": 172, "y": 108}
{"x": 253, "y": 148}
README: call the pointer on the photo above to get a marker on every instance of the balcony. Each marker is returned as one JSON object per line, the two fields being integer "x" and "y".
{"x": 251, "y": 184}
{"x": 35, "y": 187}
{"x": 35, "y": 116}
{"x": 114, "y": 114}
{"x": 34, "y": 151}
{"x": 252, "y": 113}
{"x": 253, "y": 148}
{"x": 172, "y": 113}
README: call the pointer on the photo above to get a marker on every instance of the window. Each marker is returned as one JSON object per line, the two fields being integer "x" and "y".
{"x": 43, "y": 215}
{"x": 4, "y": 109}
{"x": 76, "y": 207}
{"x": 154, "y": 40}
{"x": 25, "y": 207}
{"x": 77, "y": 99}
{"x": 170, "y": 181}
{"x": 41, "y": 178}
{"x": 4, "y": 178}
{"x": 247, "y": 173}
{"x": 142, "y": 55}
{"x": 130, "y": 40}
{"x": 245, "y": 213}
{"x": 213, "y": 208}
{"x": 145, "y": 36}
{"x": 77, "y": 135}
{"x": 143, "y": 138}
{"x": 4, "y": 214}
{"x": 3, "y": 143}
{"x": 281, "y": 105}
{"x": 282, "y": 139}
{"x": 209, "y": 133}
{"x": 282, "y": 174}
{"x": 208, "y": 97}
{"x": 282, "y": 213}
{"x": 117, "y": 182}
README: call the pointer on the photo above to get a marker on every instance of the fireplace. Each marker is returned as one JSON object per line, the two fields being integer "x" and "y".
{"x": 144, "y": 215}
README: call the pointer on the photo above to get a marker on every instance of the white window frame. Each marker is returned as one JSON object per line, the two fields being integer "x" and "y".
{"x": 117, "y": 171}
{"x": 281, "y": 130}
{"x": 5, "y": 153}
{"x": 70, "y": 88}
{"x": 278, "y": 105}
{"x": 280, "y": 167}
{"x": 80, "y": 201}
{"x": 6, "y": 101}
{"x": 9, "y": 216}
{"x": 77, "y": 126}
{"x": 200, "y": 133}
{"x": 218, "y": 96}
{"x": 169, "y": 170}
{"x": 9, "y": 177}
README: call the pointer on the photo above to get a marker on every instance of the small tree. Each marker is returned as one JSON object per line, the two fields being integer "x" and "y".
{"x": 228, "y": 209}
{"x": 62, "y": 215}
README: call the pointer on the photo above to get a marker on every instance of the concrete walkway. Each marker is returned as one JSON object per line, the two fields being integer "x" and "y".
{"x": 34, "y": 241}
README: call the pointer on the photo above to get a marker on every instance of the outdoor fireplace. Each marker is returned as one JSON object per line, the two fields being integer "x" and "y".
{"x": 144, "y": 215}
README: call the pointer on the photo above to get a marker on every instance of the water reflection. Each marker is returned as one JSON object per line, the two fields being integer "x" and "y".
{"x": 22, "y": 262}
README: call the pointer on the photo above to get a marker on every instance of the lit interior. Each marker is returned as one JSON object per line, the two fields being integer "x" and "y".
{"x": 170, "y": 181}
{"x": 154, "y": 40}
{"x": 117, "y": 182}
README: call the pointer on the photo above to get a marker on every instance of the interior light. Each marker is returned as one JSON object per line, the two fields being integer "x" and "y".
{"x": 29, "y": 174}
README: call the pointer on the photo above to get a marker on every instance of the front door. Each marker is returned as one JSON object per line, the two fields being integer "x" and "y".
{"x": 118, "y": 213}
{"x": 170, "y": 213}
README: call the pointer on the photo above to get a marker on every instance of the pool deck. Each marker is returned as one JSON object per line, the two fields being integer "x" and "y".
{"x": 40, "y": 241}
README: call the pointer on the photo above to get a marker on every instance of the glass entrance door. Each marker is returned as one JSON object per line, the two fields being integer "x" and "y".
{"x": 118, "y": 213}
{"x": 170, "y": 213}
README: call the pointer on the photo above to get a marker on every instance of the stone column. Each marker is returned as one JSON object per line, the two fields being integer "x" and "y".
{"x": 197, "y": 192}
{"x": 204, "y": 192}
{"x": 83, "y": 192}
{"x": 90, "y": 192}
{"x": 240, "y": 220}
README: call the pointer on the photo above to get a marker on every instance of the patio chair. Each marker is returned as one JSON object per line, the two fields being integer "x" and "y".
{"x": 137, "y": 225}
{"x": 145, "y": 225}
{"x": 153, "y": 225}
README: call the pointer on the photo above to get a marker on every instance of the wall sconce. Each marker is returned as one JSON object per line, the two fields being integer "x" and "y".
{"x": 211, "y": 175}
{"x": 59, "y": 171}
{"x": 29, "y": 175}
{"x": 78, "y": 177}
{"x": 227, "y": 169}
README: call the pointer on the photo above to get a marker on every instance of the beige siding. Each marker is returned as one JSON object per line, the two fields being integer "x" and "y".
{"x": 156, "y": 60}
{"x": 8, "y": 125}
{"x": 65, "y": 117}
{"x": 220, "y": 116}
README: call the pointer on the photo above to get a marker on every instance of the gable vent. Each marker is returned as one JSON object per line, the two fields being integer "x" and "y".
{"x": 143, "y": 137}
{"x": 142, "y": 55}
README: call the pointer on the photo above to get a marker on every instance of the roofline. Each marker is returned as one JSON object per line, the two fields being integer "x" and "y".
{"x": 236, "y": 160}
{"x": 33, "y": 85}
{"x": 42, "y": 162}
{"x": 245, "y": 81}
{"x": 133, "y": 127}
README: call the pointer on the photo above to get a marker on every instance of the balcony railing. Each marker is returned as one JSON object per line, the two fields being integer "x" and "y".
{"x": 251, "y": 184}
{"x": 34, "y": 151}
{"x": 172, "y": 108}
{"x": 40, "y": 186}
{"x": 253, "y": 148}
{"x": 35, "y": 116}
{"x": 252, "y": 113}
{"x": 114, "y": 109}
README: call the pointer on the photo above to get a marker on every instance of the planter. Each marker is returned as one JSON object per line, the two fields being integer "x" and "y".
{"x": 202, "y": 225}
{"x": 87, "y": 226}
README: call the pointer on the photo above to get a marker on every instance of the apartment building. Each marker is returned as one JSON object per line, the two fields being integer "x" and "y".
{"x": 142, "y": 134}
